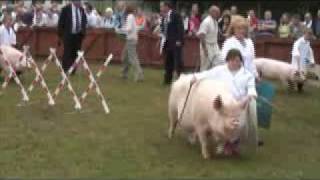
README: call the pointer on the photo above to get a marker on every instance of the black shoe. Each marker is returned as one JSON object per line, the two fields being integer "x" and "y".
{"x": 300, "y": 87}
{"x": 19, "y": 73}
{"x": 260, "y": 143}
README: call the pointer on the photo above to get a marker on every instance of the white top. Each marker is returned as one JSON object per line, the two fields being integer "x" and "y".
{"x": 303, "y": 52}
{"x": 52, "y": 21}
{"x": 308, "y": 24}
{"x": 130, "y": 28}
{"x": 186, "y": 23}
{"x": 109, "y": 22}
{"x": 39, "y": 19}
{"x": 240, "y": 83}
{"x": 7, "y": 36}
{"x": 166, "y": 20}
{"x": 92, "y": 20}
{"x": 247, "y": 51}
{"x": 209, "y": 27}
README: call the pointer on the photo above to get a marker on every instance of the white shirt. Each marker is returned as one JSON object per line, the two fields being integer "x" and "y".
{"x": 109, "y": 23}
{"x": 52, "y": 21}
{"x": 7, "y": 36}
{"x": 308, "y": 25}
{"x": 303, "y": 51}
{"x": 247, "y": 51}
{"x": 130, "y": 28}
{"x": 74, "y": 18}
{"x": 42, "y": 19}
{"x": 163, "y": 34}
{"x": 92, "y": 20}
{"x": 186, "y": 23}
{"x": 240, "y": 84}
{"x": 209, "y": 27}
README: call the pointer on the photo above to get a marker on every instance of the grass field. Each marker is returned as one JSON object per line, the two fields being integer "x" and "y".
{"x": 41, "y": 141}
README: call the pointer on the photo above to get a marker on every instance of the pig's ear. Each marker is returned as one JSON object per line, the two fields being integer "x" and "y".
{"x": 217, "y": 103}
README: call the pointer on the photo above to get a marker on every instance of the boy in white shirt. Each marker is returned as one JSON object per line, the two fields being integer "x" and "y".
{"x": 302, "y": 54}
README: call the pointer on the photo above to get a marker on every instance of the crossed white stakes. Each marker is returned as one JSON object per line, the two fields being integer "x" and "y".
{"x": 39, "y": 78}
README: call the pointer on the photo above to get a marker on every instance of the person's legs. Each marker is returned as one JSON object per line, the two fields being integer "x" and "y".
{"x": 133, "y": 59}
{"x": 178, "y": 61}
{"x": 203, "y": 60}
{"x": 169, "y": 66}
{"x": 69, "y": 54}
{"x": 66, "y": 54}
{"x": 215, "y": 57}
{"x": 125, "y": 61}
{"x": 76, "y": 47}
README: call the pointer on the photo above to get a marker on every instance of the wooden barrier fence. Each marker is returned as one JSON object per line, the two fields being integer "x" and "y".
{"x": 98, "y": 43}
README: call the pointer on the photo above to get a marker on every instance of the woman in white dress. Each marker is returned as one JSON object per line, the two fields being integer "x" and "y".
{"x": 238, "y": 39}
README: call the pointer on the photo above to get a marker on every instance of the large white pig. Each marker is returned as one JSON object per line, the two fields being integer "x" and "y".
{"x": 211, "y": 115}
{"x": 279, "y": 70}
{"x": 15, "y": 58}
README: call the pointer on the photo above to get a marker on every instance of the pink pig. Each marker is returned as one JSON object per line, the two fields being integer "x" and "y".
{"x": 211, "y": 113}
{"x": 15, "y": 58}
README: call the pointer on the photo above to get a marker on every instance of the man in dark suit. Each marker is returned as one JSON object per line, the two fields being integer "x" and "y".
{"x": 316, "y": 25}
{"x": 71, "y": 30}
{"x": 172, "y": 31}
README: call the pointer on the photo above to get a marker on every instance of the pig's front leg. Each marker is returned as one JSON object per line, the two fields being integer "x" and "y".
{"x": 203, "y": 138}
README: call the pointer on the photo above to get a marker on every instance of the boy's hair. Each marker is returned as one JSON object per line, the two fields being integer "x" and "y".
{"x": 234, "y": 53}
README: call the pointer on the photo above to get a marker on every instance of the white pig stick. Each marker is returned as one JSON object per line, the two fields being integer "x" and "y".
{"x": 42, "y": 81}
{"x": 99, "y": 73}
{"x": 76, "y": 63}
{"x": 97, "y": 88}
{"x": 43, "y": 69}
{"x": 64, "y": 80}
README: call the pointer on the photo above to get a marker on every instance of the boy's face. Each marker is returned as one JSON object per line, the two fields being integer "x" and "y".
{"x": 307, "y": 36}
{"x": 234, "y": 63}
{"x": 8, "y": 22}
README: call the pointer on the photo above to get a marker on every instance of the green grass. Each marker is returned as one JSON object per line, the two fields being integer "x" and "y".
{"x": 41, "y": 141}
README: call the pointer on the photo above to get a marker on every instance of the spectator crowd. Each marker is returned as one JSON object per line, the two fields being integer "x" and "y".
{"x": 288, "y": 26}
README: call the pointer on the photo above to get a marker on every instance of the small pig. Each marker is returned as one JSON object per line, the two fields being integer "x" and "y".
{"x": 15, "y": 58}
{"x": 279, "y": 70}
{"x": 211, "y": 113}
